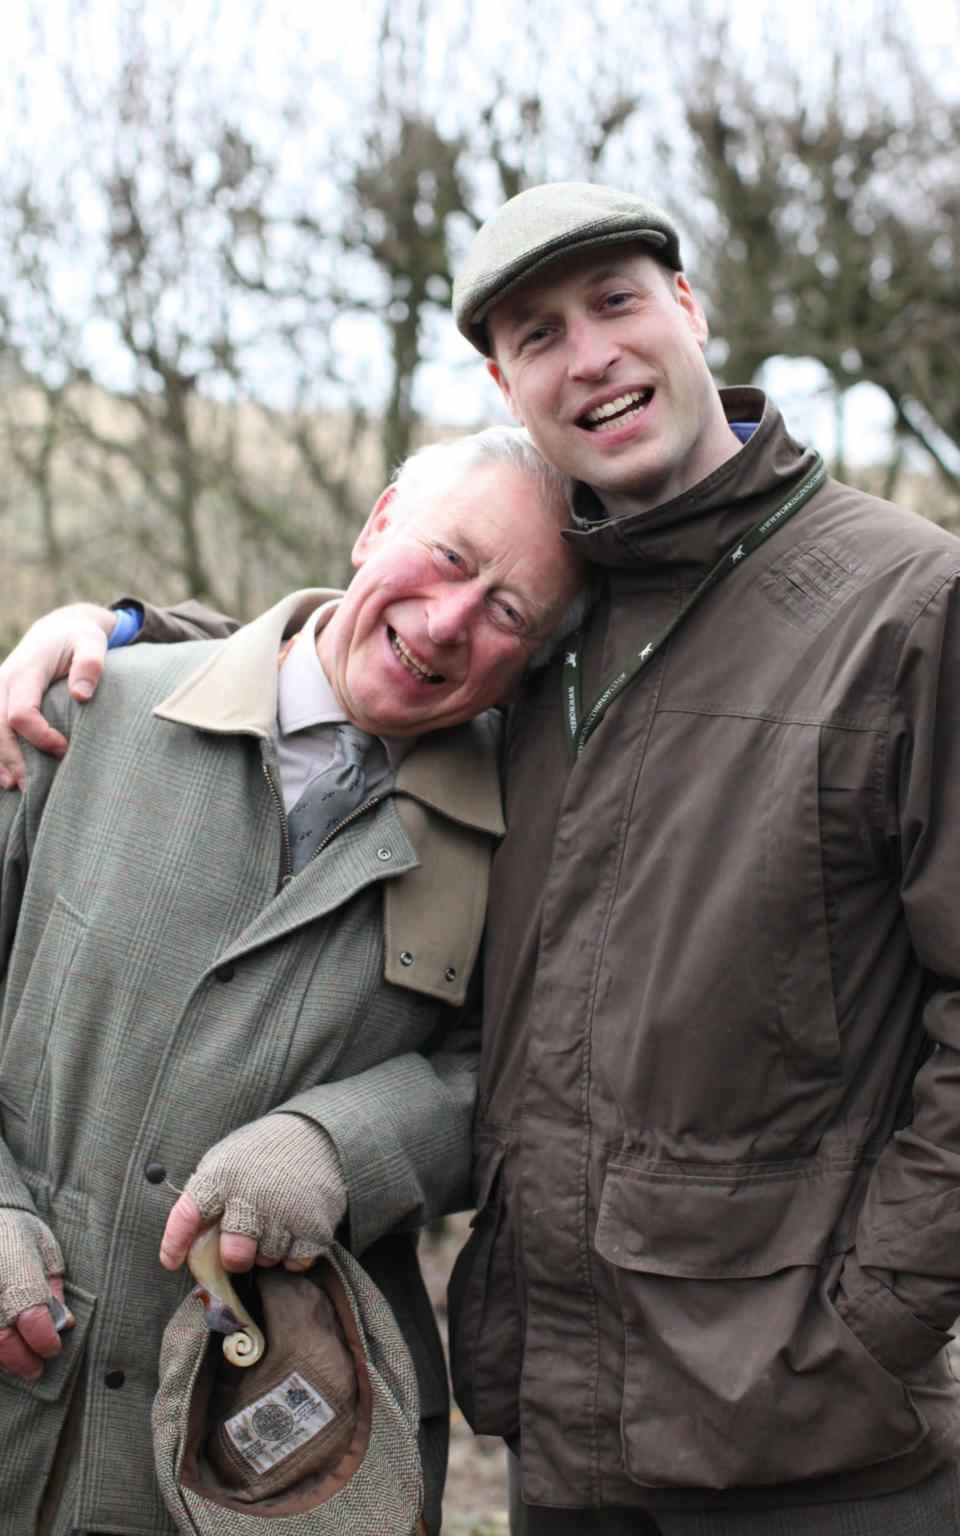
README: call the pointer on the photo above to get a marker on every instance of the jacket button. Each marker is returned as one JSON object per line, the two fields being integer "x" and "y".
{"x": 405, "y": 957}
{"x": 114, "y": 1380}
{"x": 450, "y": 974}
{"x": 226, "y": 972}
{"x": 154, "y": 1173}
{"x": 384, "y": 854}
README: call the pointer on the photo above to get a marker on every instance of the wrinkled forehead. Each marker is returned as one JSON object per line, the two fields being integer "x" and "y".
{"x": 492, "y": 503}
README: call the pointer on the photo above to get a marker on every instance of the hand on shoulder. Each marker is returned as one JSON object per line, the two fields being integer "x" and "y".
{"x": 69, "y": 642}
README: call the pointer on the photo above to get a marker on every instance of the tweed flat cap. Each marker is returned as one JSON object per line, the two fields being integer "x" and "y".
{"x": 320, "y": 1434}
{"x": 539, "y": 226}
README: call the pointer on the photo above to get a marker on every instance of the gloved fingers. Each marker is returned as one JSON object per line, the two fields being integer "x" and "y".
{"x": 303, "y": 1253}
{"x": 238, "y": 1251}
{"x": 207, "y": 1195}
{"x": 274, "y": 1243}
{"x": 277, "y": 1245}
{"x": 240, "y": 1216}
{"x": 50, "y": 1254}
{"x": 27, "y": 1248}
{"x": 184, "y": 1225}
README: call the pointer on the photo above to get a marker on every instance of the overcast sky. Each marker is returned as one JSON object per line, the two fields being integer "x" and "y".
{"x": 339, "y": 47}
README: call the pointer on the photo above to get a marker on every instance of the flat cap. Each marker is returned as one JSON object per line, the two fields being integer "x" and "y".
{"x": 541, "y": 225}
{"x": 318, "y": 1437}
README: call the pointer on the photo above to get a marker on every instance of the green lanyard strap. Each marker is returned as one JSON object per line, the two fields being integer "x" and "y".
{"x": 579, "y": 730}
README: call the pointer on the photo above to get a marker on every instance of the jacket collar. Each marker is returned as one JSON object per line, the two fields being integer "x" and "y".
{"x": 234, "y": 692}
{"x": 695, "y": 529}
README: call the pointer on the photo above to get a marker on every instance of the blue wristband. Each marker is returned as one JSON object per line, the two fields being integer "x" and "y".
{"x": 128, "y": 626}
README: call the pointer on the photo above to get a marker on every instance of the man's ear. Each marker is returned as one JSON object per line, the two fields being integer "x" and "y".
{"x": 500, "y": 379}
{"x": 692, "y": 308}
{"x": 377, "y": 524}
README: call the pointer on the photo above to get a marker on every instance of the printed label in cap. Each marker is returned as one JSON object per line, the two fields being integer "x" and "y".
{"x": 270, "y": 1429}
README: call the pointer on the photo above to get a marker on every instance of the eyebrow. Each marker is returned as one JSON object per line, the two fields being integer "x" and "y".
{"x": 514, "y": 318}
{"x": 526, "y": 311}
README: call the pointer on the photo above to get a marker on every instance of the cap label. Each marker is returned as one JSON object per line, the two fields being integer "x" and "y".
{"x": 272, "y": 1428}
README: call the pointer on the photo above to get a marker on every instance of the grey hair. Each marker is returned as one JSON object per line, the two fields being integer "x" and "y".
{"x": 568, "y": 623}
{"x": 430, "y": 470}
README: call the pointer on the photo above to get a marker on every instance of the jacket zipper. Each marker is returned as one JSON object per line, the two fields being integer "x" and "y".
{"x": 286, "y": 858}
{"x": 358, "y": 810}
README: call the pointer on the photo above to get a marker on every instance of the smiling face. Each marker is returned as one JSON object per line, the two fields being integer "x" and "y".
{"x": 449, "y": 601}
{"x": 602, "y": 361}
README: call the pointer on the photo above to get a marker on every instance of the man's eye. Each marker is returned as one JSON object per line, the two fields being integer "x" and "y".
{"x": 534, "y": 336}
{"x": 616, "y": 300}
{"x": 506, "y": 617}
{"x": 448, "y": 559}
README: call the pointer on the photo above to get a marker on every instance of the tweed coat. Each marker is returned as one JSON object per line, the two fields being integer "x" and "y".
{"x": 164, "y": 981}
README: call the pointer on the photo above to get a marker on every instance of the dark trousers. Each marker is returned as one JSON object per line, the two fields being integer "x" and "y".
{"x": 931, "y": 1508}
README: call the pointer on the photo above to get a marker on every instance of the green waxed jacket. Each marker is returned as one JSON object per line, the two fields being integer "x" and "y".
{"x": 162, "y": 985}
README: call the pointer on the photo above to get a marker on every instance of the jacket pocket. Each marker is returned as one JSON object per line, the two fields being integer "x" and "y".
{"x": 58, "y": 1373}
{"x": 40, "y": 991}
{"x": 486, "y": 1332}
{"x": 738, "y": 1369}
{"x": 33, "y": 1415}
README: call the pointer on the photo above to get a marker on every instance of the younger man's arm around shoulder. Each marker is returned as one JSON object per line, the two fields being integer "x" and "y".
{"x": 72, "y": 642}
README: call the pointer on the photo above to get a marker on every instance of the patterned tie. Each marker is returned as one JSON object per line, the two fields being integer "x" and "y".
{"x": 330, "y": 796}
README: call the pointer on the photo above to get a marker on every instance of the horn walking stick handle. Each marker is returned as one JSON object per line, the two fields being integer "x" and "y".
{"x": 244, "y": 1343}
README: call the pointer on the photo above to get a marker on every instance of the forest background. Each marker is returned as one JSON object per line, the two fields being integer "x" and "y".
{"x": 227, "y": 232}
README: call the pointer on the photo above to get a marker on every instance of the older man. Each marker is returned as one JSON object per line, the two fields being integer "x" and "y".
{"x": 236, "y": 920}
{"x": 710, "y": 1288}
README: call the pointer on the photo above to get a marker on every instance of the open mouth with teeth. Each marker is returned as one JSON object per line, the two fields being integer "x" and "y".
{"x": 615, "y": 412}
{"x": 407, "y": 658}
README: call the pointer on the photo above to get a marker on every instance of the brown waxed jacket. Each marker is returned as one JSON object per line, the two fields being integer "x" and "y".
{"x": 717, "y": 1252}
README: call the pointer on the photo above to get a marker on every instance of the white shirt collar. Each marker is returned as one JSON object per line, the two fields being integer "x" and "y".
{"x": 305, "y": 697}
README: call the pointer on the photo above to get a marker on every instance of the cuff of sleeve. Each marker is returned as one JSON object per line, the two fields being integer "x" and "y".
{"x": 894, "y": 1335}
{"x": 379, "y": 1169}
{"x": 128, "y": 626}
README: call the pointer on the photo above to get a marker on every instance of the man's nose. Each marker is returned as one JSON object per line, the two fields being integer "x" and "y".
{"x": 591, "y": 350}
{"x": 451, "y": 611}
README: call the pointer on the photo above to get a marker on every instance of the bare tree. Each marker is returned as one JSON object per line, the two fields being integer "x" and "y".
{"x": 831, "y": 223}
{"x": 224, "y": 284}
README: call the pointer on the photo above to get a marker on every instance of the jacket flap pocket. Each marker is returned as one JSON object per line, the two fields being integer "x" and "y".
{"x": 58, "y": 1373}
{"x": 718, "y": 1223}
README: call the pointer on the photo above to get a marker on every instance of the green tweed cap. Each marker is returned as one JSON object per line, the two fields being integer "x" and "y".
{"x": 316, "y": 1438}
{"x": 539, "y": 226}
